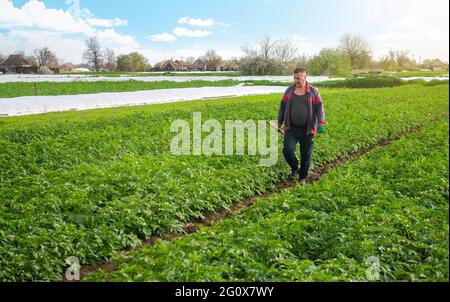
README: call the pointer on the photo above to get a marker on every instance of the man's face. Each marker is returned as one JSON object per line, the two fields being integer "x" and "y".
{"x": 300, "y": 79}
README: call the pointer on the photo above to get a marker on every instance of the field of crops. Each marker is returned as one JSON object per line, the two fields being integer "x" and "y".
{"x": 390, "y": 204}
{"x": 9, "y": 90}
{"x": 90, "y": 184}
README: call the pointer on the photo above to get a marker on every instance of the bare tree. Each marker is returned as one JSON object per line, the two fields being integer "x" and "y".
{"x": 231, "y": 64}
{"x": 249, "y": 51}
{"x": 110, "y": 59}
{"x": 267, "y": 47}
{"x": 402, "y": 58}
{"x": 2, "y": 57}
{"x": 45, "y": 57}
{"x": 31, "y": 59}
{"x": 387, "y": 62}
{"x": 93, "y": 54}
{"x": 212, "y": 60}
{"x": 300, "y": 61}
{"x": 357, "y": 49}
{"x": 284, "y": 52}
{"x": 190, "y": 60}
{"x": 258, "y": 60}
{"x": 426, "y": 63}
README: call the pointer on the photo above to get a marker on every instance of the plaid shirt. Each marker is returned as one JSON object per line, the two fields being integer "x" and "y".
{"x": 316, "y": 114}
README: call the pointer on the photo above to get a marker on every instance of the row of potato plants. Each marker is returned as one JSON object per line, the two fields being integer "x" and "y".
{"x": 381, "y": 217}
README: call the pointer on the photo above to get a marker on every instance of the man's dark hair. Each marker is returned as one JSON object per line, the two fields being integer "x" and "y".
{"x": 299, "y": 70}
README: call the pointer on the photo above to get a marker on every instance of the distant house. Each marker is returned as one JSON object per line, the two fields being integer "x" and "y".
{"x": 198, "y": 65}
{"x": 438, "y": 65}
{"x": 57, "y": 69}
{"x": 180, "y": 65}
{"x": 212, "y": 68}
{"x": 68, "y": 67}
{"x": 18, "y": 64}
{"x": 168, "y": 66}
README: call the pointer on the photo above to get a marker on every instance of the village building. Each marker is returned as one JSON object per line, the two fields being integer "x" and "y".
{"x": 18, "y": 64}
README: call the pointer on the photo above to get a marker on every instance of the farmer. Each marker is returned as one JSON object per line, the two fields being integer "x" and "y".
{"x": 301, "y": 111}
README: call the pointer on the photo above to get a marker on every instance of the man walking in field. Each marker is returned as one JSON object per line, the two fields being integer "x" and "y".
{"x": 301, "y": 111}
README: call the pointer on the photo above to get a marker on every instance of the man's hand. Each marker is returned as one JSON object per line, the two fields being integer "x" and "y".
{"x": 321, "y": 129}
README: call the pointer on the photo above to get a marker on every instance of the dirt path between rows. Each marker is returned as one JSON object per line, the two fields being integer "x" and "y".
{"x": 210, "y": 217}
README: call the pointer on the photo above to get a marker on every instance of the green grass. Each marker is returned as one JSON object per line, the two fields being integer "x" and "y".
{"x": 91, "y": 183}
{"x": 369, "y": 82}
{"x": 9, "y": 90}
{"x": 365, "y": 82}
{"x": 391, "y": 203}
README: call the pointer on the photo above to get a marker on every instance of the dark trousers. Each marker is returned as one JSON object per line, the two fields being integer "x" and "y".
{"x": 291, "y": 138}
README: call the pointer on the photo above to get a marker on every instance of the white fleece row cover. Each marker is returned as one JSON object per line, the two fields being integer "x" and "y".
{"x": 29, "y": 105}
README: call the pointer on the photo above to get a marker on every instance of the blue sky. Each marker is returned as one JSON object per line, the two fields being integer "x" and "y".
{"x": 155, "y": 29}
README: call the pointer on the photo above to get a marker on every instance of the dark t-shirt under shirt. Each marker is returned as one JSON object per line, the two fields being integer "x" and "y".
{"x": 299, "y": 111}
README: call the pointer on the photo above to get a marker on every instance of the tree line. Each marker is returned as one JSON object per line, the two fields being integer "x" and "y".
{"x": 277, "y": 57}
{"x": 267, "y": 57}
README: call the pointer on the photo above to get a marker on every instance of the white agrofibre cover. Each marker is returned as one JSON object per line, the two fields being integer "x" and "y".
{"x": 29, "y": 105}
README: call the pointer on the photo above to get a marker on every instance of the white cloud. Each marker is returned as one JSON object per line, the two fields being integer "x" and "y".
{"x": 78, "y": 13}
{"x": 107, "y": 22}
{"x": 190, "y": 33}
{"x": 25, "y": 31}
{"x": 34, "y": 26}
{"x": 113, "y": 39}
{"x": 195, "y": 51}
{"x": 34, "y": 14}
{"x": 67, "y": 49}
{"x": 164, "y": 37}
{"x": 411, "y": 25}
{"x": 197, "y": 33}
{"x": 197, "y": 22}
